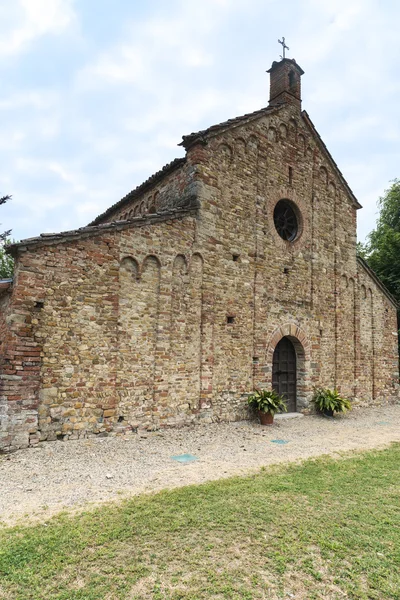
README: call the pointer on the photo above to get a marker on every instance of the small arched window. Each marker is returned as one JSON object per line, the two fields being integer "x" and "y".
{"x": 292, "y": 79}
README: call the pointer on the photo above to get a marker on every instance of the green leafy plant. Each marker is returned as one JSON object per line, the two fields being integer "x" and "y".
{"x": 326, "y": 400}
{"x": 267, "y": 401}
{"x": 6, "y": 262}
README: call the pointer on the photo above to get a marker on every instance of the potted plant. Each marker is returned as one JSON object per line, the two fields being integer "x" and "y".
{"x": 328, "y": 402}
{"x": 266, "y": 403}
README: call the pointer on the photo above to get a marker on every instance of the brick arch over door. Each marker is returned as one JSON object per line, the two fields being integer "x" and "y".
{"x": 302, "y": 346}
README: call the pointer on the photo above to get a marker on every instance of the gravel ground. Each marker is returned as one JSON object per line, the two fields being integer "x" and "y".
{"x": 41, "y": 481}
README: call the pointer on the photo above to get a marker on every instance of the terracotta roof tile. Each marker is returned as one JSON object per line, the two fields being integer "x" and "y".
{"x": 149, "y": 219}
{"x": 188, "y": 140}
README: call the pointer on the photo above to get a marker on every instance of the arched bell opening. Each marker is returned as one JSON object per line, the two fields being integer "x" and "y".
{"x": 288, "y": 372}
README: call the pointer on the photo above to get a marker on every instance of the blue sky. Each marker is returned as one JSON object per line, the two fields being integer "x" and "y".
{"x": 96, "y": 94}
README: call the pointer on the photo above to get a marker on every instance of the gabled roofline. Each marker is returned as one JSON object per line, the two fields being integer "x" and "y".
{"x": 187, "y": 142}
{"x": 201, "y": 136}
{"x": 47, "y": 239}
{"x": 325, "y": 150}
{"x": 140, "y": 189}
{"x": 361, "y": 261}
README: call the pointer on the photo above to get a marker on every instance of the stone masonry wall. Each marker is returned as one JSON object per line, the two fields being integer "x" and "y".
{"x": 377, "y": 351}
{"x": 274, "y": 288}
{"x": 162, "y": 322}
{"x": 20, "y": 356}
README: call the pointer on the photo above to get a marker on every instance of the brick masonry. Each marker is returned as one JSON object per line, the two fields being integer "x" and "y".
{"x": 169, "y": 309}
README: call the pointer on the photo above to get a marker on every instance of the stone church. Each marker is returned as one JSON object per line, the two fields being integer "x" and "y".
{"x": 231, "y": 269}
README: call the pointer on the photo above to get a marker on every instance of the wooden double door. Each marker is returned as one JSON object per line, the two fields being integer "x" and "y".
{"x": 284, "y": 372}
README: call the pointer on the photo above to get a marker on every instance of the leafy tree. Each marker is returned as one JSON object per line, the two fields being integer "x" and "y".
{"x": 6, "y": 261}
{"x": 5, "y": 234}
{"x": 6, "y": 264}
{"x": 382, "y": 249}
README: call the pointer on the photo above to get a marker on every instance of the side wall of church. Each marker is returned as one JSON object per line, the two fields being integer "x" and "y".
{"x": 377, "y": 348}
{"x": 160, "y": 326}
{"x": 20, "y": 357}
{"x": 103, "y": 332}
{"x": 61, "y": 350}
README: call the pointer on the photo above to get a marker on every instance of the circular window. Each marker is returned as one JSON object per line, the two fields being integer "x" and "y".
{"x": 286, "y": 221}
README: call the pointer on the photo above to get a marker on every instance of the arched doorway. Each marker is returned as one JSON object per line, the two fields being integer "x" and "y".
{"x": 284, "y": 372}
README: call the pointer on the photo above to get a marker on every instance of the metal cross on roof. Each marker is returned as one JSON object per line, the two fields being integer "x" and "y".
{"x": 283, "y": 46}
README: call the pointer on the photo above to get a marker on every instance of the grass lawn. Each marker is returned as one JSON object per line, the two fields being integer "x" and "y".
{"x": 327, "y": 529}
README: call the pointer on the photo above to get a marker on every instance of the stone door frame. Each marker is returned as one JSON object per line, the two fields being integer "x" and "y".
{"x": 285, "y": 381}
{"x": 302, "y": 347}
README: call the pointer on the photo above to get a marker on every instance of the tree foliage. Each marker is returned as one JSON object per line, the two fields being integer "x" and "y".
{"x": 382, "y": 249}
{"x": 6, "y": 261}
{"x": 5, "y": 234}
{"x": 6, "y": 264}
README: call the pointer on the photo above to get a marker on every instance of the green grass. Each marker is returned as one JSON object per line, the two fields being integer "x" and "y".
{"x": 326, "y": 529}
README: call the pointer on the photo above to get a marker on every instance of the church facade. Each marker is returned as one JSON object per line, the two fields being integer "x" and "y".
{"x": 233, "y": 268}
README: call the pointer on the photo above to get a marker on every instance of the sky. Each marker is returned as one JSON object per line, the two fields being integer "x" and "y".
{"x": 96, "y": 94}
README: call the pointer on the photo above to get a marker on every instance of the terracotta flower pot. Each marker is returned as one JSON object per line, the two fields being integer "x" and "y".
{"x": 265, "y": 418}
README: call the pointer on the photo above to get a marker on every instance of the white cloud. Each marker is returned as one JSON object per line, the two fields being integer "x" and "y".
{"x": 337, "y": 28}
{"x": 117, "y": 105}
{"x": 127, "y": 67}
{"x": 155, "y": 43}
{"x": 36, "y": 99}
{"x": 30, "y": 19}
{"x": 359, "y": 128}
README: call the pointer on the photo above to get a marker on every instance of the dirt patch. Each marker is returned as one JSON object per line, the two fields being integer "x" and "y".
{"x": 56, "y": 476}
